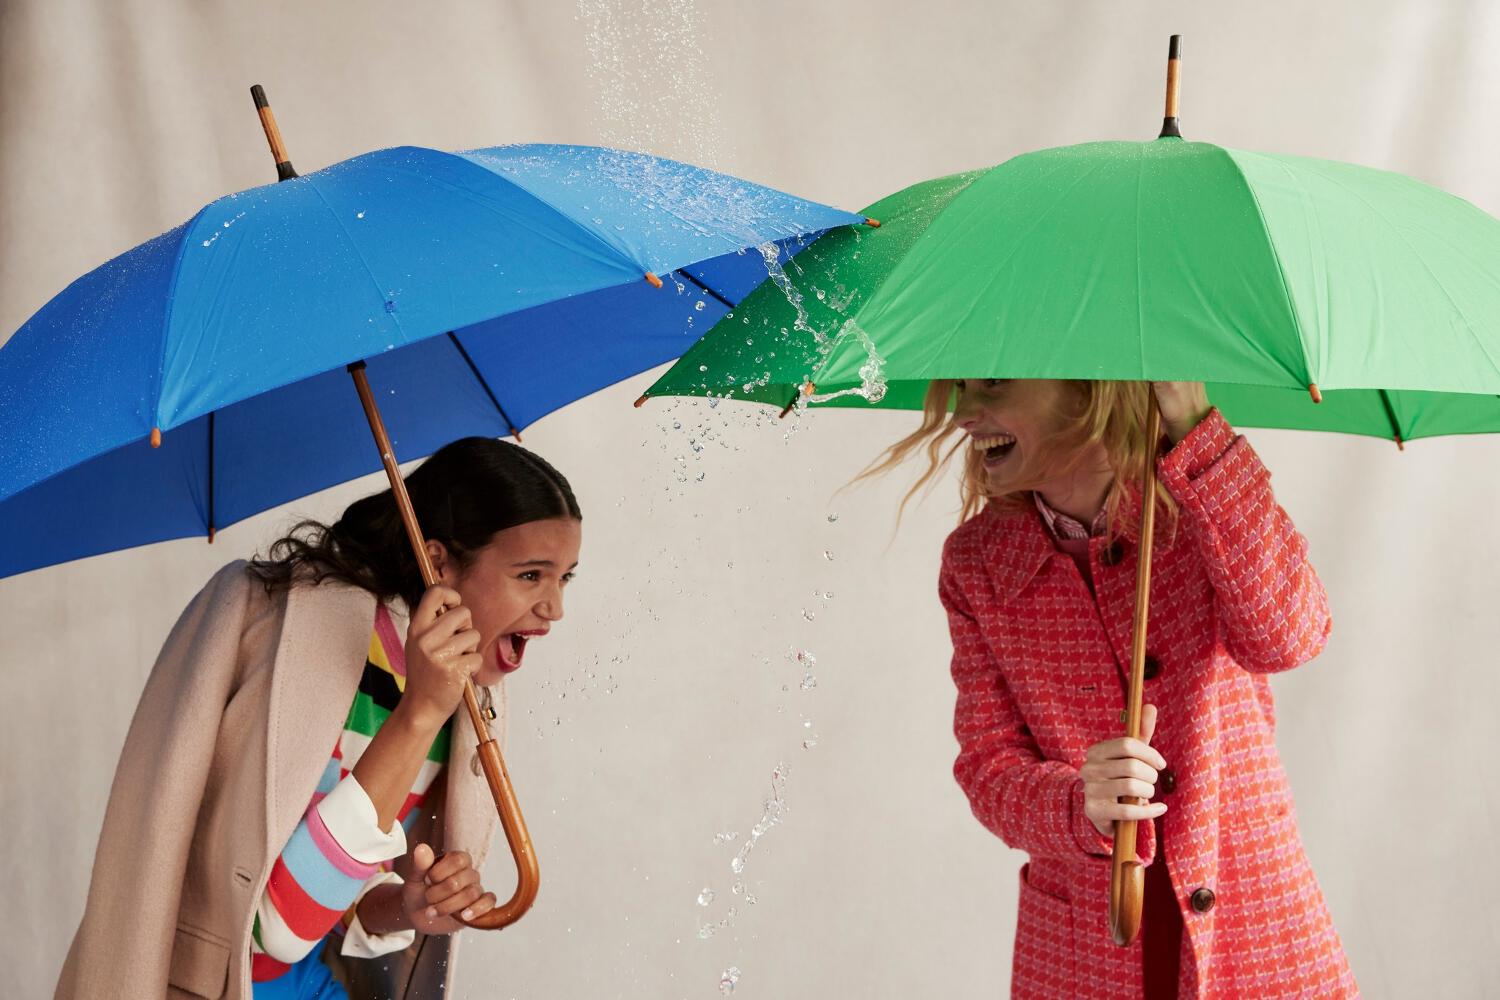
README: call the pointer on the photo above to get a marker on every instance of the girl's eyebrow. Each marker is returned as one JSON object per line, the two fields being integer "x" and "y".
{"x": 546, "y": 563}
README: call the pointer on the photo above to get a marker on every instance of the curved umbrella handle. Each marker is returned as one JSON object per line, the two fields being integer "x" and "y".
{"x": 528, "y": 875}
{"x": 1127, "y": 878}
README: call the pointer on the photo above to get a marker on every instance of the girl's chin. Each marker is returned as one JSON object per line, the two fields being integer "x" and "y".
{"x": 488, "y": 675}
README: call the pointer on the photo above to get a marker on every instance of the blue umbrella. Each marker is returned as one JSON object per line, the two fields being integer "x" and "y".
{"x": 486, "y": 289}
{"x": 481, "y": 290}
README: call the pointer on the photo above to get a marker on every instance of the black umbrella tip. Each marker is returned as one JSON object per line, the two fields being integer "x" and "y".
{"x": 1174, "y": 47}
{"x": 258, "y": 94}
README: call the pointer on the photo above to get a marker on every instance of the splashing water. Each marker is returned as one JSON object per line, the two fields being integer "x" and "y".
{"x": 728, "y": 979}
{"x": 773, "y": 809}
{"x": 771, "y": 254}
{"x": 807, "y": 661}
{"x": 706, "y": 896}
{"x": 655, "y": 91}
{"x": 872, "y": 385}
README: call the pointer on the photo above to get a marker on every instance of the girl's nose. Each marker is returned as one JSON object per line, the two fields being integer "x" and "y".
{"x": 965, "y": 413}
{"x": 551, "y": 608}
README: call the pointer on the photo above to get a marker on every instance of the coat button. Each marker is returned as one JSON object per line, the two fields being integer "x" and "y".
{"x": 1166, "y": 781}
{"x": 1203, "y": 900}
{"x": 1153, "y": 667}
{"x": 1111, "y": 554}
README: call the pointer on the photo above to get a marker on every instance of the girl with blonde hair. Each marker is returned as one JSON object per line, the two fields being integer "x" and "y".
{"x": 1039, "y": 584}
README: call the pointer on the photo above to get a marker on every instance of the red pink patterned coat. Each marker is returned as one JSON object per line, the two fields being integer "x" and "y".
{"x": 1040, "y": 666}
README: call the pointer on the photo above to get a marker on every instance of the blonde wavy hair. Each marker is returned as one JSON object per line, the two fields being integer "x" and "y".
{"x": 1110, "y": 413}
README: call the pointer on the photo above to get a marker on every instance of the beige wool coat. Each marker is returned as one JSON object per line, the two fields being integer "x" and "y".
{"x": 234, "y": 727}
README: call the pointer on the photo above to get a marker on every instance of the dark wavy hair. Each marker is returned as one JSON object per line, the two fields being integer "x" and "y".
{"x": 465, "y": 493}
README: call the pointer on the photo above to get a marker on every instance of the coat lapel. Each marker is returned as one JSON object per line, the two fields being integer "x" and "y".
{"x": 1018, "y": 547}
{"x": 325, "y": 637}
{"x": 469, "y": 816}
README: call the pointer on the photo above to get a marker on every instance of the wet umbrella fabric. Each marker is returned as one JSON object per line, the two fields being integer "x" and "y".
{"x": 485, "y": 289}
{"x": 1168, "y": 260}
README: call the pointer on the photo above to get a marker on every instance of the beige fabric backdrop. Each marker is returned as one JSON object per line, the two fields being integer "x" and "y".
{"x": 651, "y": 723}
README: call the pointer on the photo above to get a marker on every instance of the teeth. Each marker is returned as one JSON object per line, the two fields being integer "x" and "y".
{"x": 993, "y": 441}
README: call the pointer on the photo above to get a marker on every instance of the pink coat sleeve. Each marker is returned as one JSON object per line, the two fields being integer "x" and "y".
{"x": 1031, "y": 803}
{"x": 1270, "y": 603}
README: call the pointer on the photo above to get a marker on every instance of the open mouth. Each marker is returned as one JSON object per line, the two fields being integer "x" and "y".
{"x": 995, "y": 447}
{"x": 509, "y": 650}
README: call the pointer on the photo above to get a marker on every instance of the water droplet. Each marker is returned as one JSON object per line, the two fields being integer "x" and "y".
{"x": 725, "y": 837}
{"x": 832, "y": 518}
{"x": 390, "y": 305}
{"x": 729, "y": 979}
{"x": 704, "y": 368}
{"x": 359, "y": 215}
{"x": 809, "y": 743}
{"x": 705, "y": 932}
{"x": 808, "y": 614}
{"x": 828, "y": 554}
{"x": 737, "y": 865}
{"x": 706, "y": 896}
{"x": 809, "y": 682}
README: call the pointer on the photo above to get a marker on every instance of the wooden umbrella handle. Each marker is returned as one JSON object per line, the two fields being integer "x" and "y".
{"x": 1127, "y": 877}
{"x": 528, "y": 873}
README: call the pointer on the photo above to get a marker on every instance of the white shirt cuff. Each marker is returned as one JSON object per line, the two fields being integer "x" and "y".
{"x": 359, "y": 943}
{"x": 350, "y": 817}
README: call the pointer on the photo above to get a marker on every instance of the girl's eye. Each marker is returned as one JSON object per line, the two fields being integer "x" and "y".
{"x": 958, "y": 385}
{"x": 994, "y": 383}
{"x": 568, "y": 577}
{"x": 531, "y": 575}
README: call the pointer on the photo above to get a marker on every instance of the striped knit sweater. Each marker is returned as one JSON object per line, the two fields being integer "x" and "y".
{"x": 338, "y": 853}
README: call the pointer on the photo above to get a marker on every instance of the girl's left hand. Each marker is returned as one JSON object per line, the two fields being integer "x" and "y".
{"x": 1183, "y": 405}
{"x": 441, "y": 890}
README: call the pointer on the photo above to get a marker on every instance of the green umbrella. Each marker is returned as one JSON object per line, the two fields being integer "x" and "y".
{"x": 1276, "y": 279}
{"x": 1306, "y": 293}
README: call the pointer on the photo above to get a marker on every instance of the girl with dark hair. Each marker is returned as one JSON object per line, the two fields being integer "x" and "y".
{"x": 297, "y": 795}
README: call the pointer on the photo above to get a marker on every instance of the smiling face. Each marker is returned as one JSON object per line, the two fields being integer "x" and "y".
{"x": 1009, "y": 421}
{"x": 1013, "y": 427}
{"x": 514, "y": 588}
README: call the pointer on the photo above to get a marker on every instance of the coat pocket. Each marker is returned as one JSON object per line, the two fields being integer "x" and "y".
{"x": 200, "y": 963}
{"x": 1043, "y": 964}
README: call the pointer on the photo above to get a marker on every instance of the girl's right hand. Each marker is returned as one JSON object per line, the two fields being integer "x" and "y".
{"x": 1122, "y": 767}
{"x": 442, "y": 649}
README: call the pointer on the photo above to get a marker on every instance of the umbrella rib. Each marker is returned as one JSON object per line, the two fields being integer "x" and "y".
{"x": 483, "y": 384}
{"x": 1390, "y": 412}
{"x": 684, "y": 272}
{"x": 211, "y": 526}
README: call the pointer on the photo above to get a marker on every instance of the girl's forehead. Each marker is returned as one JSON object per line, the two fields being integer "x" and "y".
{"x": 549, "y": 535}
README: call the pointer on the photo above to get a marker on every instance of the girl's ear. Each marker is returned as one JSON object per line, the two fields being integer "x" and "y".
{"x": 437, "y": 552}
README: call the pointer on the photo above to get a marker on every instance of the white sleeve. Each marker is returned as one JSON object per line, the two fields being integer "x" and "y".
{"x": 359, "y": 943}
